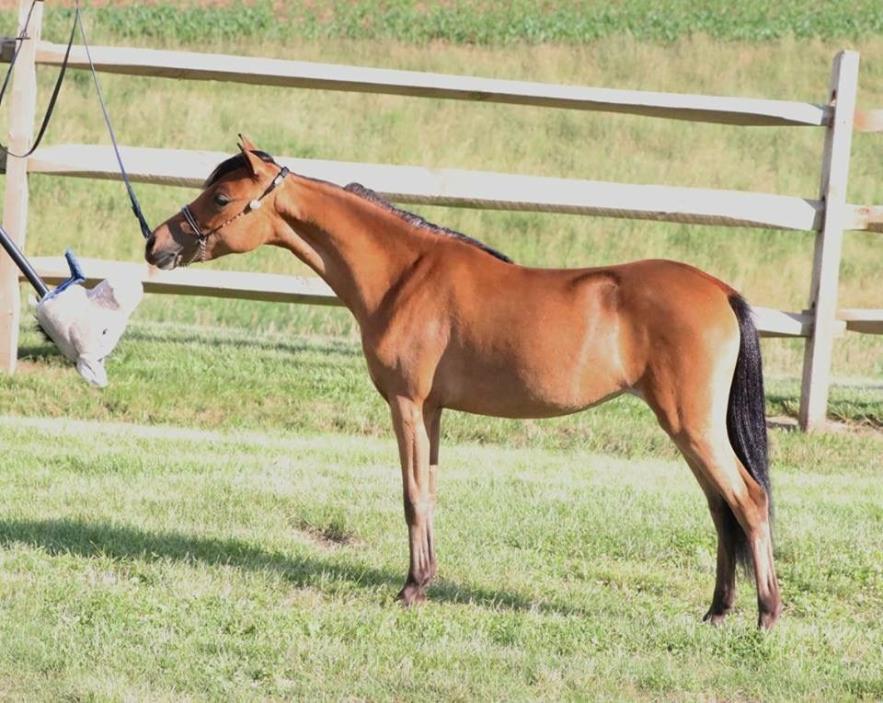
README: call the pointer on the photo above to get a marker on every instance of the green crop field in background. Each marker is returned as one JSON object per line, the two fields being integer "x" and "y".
{"x": 223, "y": 522}
{"x": 484, "y": 22}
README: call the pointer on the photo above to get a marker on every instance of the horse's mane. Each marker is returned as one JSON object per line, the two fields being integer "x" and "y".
{"x": 417, "y": 221}
{"x": 237, "y": 161}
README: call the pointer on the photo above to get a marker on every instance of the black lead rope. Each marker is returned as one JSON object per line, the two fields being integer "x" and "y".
{"x": 136, "y": 206}
{"x": 78, "y": 21}
{"x": 52, "y": 100}
{"x": 22, "y": 35}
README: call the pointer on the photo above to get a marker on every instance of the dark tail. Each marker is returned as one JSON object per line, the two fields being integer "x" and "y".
{"x": 746, "y": 425}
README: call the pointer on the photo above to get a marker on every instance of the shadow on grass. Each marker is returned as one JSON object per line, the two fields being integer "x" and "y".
{"x": 326, "y": 346}
{"x": 867, "y": 411}
{"x": 44, "y": 348}
{"x": 852, "y": 411}
{"x": 127, "y": 543}
{"x": 39, "y": 352}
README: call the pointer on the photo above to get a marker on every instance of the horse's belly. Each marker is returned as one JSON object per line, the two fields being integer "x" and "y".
{"x": 526, "y": 405}
{"x": 554, "y": 386}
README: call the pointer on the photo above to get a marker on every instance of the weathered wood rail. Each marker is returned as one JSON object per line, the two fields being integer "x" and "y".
{"x": 828, "y": 214}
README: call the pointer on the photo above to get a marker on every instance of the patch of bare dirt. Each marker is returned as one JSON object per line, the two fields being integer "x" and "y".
{"x": 329, "y": 536}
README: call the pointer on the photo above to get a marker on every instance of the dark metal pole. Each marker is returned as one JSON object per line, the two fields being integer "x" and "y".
{"x": 22, "y": 263}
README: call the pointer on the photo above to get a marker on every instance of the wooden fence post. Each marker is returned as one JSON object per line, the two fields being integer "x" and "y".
{"x": 23, "y": 103}
{"x": 829, "y": 242}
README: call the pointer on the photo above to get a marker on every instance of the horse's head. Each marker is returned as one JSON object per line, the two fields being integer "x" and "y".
{"x": 227, "y": 217}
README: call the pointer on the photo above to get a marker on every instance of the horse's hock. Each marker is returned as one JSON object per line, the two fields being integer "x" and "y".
{"x": 828, "y": 214}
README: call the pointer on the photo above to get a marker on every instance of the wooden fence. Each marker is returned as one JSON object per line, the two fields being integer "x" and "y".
{"x": 829, "y": 215}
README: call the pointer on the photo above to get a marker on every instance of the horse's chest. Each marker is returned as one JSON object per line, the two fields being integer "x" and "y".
{"x": 404, "y": 358}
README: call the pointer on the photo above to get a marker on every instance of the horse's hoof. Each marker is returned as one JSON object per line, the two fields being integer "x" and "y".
{"x": 766, "y": 620}
{"x": 715, "y": 617}
{"x": 412, "y": 594}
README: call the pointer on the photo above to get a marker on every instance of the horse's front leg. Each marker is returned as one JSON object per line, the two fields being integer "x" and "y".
{"x": 413, "y": 429}
{"x": 432, "y": 422}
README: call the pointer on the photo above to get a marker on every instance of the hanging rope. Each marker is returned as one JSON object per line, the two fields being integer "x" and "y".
{"x": 136, "y": 206}
{"x": 22, "y": 35}
{"x": 53, "y": 99}
{"x": 78, "y": 22}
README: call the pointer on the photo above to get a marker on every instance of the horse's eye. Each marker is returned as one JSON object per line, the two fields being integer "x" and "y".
{"x": 221, "y": 200}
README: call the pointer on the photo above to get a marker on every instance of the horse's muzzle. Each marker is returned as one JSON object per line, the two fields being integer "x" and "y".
{"x": 163, "y": 251}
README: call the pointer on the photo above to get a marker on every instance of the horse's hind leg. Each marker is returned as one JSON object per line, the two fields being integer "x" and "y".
{"x": 692, "y": 408}
{"x": 730, "y": 542}
{"x": 740, "y": 510}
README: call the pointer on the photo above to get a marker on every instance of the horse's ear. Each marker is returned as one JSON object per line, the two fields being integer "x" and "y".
{"x": 251, "y": 159}
{"x": 245, "y": 143}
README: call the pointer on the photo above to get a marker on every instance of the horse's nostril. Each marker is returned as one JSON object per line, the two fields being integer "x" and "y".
{"x": 151, "y": 255}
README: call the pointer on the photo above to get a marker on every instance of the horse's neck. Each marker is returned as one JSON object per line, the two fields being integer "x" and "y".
{"x": 358, "y": 248}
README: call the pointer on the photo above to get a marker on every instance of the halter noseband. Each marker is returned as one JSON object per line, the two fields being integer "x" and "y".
{"x": 202, "y": 236}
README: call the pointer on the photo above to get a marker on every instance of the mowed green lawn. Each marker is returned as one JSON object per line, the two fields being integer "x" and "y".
{"x": 156, "y": 563}
{"x": 224, "y": 521}
{"x": 227, "y": 525}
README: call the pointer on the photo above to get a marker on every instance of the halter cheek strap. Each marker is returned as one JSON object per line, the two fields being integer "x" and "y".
{"x": 192, "y": 223}
{"x": 202, "y": 236}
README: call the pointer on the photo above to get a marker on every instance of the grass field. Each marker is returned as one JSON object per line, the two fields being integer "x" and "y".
{"x": 227, "y": 524}
{"x": 155, "y": 563}
{"x": 224, "y": 521}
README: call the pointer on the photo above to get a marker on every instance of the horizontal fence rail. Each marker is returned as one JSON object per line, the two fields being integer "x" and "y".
{"x": 298, "y": 289}
{"x": 476, "y": 189}
{"x": 304, "y": 74}
{"x": 285, "y": 288}
{"x": 190, "y": 65}
{"x": 864, "y": 320}
{"x": 210, "y": 283}
{"x": 325, "y": 76}
{"x": 415, "y": 184}
{"x": 864, "y": 217}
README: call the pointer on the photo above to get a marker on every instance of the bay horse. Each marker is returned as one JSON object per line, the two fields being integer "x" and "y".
{"x": 447, "y": 322}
